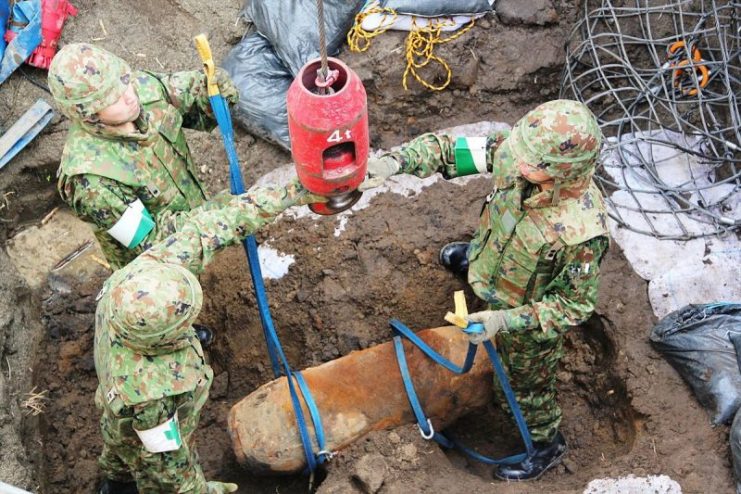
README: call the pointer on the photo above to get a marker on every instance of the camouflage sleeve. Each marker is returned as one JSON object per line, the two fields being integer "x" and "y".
{"x": 174, "y": 471}
{"x": 432, "y": 153}
{"x": 187, "y": 92}
{"x": 103, "y": 201}
{"x": 570, "y": 298}
{"x": 210, "y": 230}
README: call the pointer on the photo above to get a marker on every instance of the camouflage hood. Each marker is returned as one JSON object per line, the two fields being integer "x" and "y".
{"x": 561, "y": 138}
{"x": 84, "y": 79}
{"x": 151, "y": 306}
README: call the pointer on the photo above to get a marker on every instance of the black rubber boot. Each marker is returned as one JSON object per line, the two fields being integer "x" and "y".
{"x": 109, "y": 486}
{"x": 545, "y": 456}
{"x": 204, "y": 334}
{"x": 454, "y": 256}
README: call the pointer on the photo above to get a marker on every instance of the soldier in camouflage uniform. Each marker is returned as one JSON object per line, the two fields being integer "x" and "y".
{"x": 536, "y": 253}
{"x": 126, "y": 167}
{"x": 153, "y": 378}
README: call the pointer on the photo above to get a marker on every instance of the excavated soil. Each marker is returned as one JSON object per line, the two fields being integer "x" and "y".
{"x": 625, "y": 410}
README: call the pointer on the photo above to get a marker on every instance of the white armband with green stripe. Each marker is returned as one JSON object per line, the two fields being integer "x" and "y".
{"x": 133, "y": 226}
{"x": 164, "y": 437}
{"x": 470, "y": 155}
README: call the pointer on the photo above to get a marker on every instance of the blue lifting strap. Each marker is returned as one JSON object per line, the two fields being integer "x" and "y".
{"x": 281, "y": 366}
{"x": 278, "y": 359}
{"x": 424, "y": 424}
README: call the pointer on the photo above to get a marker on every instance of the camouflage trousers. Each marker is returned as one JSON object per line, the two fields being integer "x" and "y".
{"x": 124, "y": 459}
{"x": 530, "y": 359}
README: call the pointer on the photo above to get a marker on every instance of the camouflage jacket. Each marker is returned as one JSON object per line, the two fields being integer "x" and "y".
{"x": 140, "y": 392}
{"x": 104, "y": 171}
{"x": 539, "y": 262}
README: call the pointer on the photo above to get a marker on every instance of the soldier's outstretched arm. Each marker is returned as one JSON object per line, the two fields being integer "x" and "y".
{"x": 208, "y": 231}
{"x": 432, "y": 153}
{"x": 187, "y": 92}
{"x": 117, "y": 210}
{"x": 570, "y": 298}
{"x": 449, "y": 155}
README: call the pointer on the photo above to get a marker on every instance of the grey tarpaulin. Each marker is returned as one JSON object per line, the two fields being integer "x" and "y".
{"x": 698, "y": 340}
{"x": 263, "y": 81}
{"x": 26, "y": 23}
{"x": 437, "y": 8}
{"x": 292, "y": 26}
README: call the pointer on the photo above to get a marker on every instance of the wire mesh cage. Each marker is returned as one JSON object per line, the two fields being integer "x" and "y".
{"x": 663, "y": 78}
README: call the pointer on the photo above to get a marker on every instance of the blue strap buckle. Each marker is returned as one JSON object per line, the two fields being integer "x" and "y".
{"x": 429, "y": 435}
{"x": 474, "y": 328}
{"x": 325, "y": 455}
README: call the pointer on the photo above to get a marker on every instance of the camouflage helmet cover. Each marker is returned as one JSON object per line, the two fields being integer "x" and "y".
{"x": 152, "y": 306}
{"x": 561, "y": 137}
{"x": 85, "y": 79}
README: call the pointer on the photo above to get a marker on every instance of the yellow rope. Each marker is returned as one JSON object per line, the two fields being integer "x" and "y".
{"x": 420, "y": 43}
{"x": 358, "y": 39}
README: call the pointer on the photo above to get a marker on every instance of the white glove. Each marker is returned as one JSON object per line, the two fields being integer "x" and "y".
{"x": 379, "y": 169}
{"x": 493, "y": 320}
{"x": 214, "y": 487}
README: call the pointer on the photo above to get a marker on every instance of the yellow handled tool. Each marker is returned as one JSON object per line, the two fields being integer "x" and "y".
{"x": 461, "y": 311}
{"x": 204, "y": 51}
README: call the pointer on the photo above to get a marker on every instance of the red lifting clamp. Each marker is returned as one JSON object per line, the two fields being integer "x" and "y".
{"x": 53, "y": 15}
{"x": 329, "y": 134}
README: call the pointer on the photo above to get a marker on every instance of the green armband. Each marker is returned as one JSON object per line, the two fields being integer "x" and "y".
{"x": 470, "y": 155}
{"x": 133, "y": 226}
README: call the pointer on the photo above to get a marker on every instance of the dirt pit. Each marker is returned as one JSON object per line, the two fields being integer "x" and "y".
{"x": 626, "y": 412}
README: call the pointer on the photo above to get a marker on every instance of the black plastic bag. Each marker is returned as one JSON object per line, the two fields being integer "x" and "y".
{"x": 436, "y": 8}
{"x": 292, "y": 28}
{"x": 697, "y": 341}
{"x": 263, "y": 82}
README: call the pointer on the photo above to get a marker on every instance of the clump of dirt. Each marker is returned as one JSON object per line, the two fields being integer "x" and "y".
{"x": 625, "y": 410}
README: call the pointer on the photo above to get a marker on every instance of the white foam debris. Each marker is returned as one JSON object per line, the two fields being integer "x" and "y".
{"x": 650, "y": 256}
{"x": 702, "y": 270}
{"x": 711, "y": 276}
{"x": 656, "y": 484}
{"x": 274, "y": 264}
{"x": 340, "y": 226}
